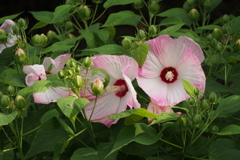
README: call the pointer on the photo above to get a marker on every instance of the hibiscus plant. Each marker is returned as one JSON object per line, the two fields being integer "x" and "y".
{"x": 120, "y": 80}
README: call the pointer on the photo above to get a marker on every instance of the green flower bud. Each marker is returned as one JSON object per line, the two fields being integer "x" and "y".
{"x": 97, "y": 1}
{"x": 69, "y": 73}
{"x": 22, "y": 23}
{"x": 126, "y": 43}
{"x": 236, "y": 46}
{"x": 52, "y": 36}
{"x": 188, "y": 5}
{"x": 97, "y": 87}
{"x": 208, "y": 5}
{"x": 5, "y": 101}
{"x": 225, "y": 18}
{"x": 209, "y": 37}
{"x": 15, "y": 30}
{"x": 72, "y": 64}
{"x": 191, "y": 3}
{"x": 214, "y": 129}
{"x": 197, "y": 92}
{"x": 213, "y": 98}
{"x": 192, "y": 101}
{"x": 39, "y": 40}
{"x": 69, "y": 26}
{"x": 194, "y": 15}
{"x": 205, "y": 105}
{"x": 217, "y": 33}
{"x": 11, "y": 90}
{"x": 3, "y": 36}
{"x": 78, "y": 81}
{"x": 219, "y": 47}
{"x": 182, "y": 122}
{"x": 84, "y": 12}
{"x": 20, "y": 102}
{"x": 20, "y": 56}
{"x": 197, "y": 119}
{"x": 70, "y": 2}
{"x": 138, "y": 4}
{"x": 78, "y": 69}
{"x": 154, "y": 7}
{"x": 61, "y": 75}
{"x": 141, "y": 35}
{"x": 87, "y": 63}
{"x": 152, "y": 31}
{"x": 70, "y": 35}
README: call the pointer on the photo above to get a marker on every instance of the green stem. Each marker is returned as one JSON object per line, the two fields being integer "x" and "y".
{"x": 170, "y": 143}
{"x": 31, "y": 131}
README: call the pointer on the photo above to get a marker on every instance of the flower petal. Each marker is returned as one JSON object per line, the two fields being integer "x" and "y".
{"x": 7, "y": 25}
{"x": 51, "y": 95}
{"x": 114, "y": 65}
{"x": 57, "y": 64}
{"x": 31, "y": 79}
{"x": 34, "y": 73}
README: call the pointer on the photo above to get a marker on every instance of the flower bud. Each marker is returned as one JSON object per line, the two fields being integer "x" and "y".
{"x": 191, "y": 101}
{"x": 22, "y": 23}
{"x": 205, "y": 105}
{"x": 39, "y": 40}
{"x": 69, "y": 26}
{"x": 72, "y": 64}
{"x": 138, "y": 4}
{"x": 225, "y": 18}
{"x": 154, "y": 7}
{"x": 70, "y": 2}
{"x": 182, "y": 122}
{"x": 20, "y": 56}
{"x": 152, "y": 31}
{"x": 78, "y": 69}
{"x": 70, "y": 35}
{"x": 208, "y": 5}
{"x": 97, "y": 1}
{"x": 78, "y": 81}
{"x": 61, "y": 75}
{"x": 141, "y": 35}
{"x": 214, "y": 129}
{"x": 213, "y": 98}
{"x": 236, "y": 46}
{"x": 194, "y": 15}
{"x": 197, "y": 119}
{"x": 217, "y": 33}
{"x": 69, "y": 73}
{"x": 84, "y": 12}
{"x": 197, "y": 92}
{"x": 3, "y": 36}
{"x": 52, "y": 36}
{"x": 97, "y": 87}
{"x": 126, "y": 43}
{"x": 5, "y": 101}
{"x": 87, "y": 63}
{"x": 11, "y": 90}
{"x": 188, "y": 5}
{"x": 209, "y": 37}
{"x": 15, "y": 30}
{"x": 219, "y": 47}
{"x": 20, "y": 102}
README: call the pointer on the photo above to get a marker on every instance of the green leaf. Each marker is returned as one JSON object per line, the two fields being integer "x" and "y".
{"x": 85, "y": 154}
{"x": 171, "y": 20}
{"x": 71, "y": 106}
{"x": 122, "y": 18}
{"x": 2, "y": 19}
{"x": 189, "y": 88}
{"x": 172, "y": 12}
{"x": 230, "y": 130}
{"x": 17, "y": 80}
{"x": 164, "y": 117}
{"x": 170, "y": 30}
{"x": 43, "y": 16}
{"x": 62, "y": 45}
{"x": 61, "y": 13}
{"x": 38, "y": 25}
{"x": 140, "y": 54}
{"x": 5, "y": 119}
{"x": 110, "y": 3}
{"x": 107, "y": 49}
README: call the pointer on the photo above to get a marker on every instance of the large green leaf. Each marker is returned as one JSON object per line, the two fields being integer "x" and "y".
{"x": 122, "y": 18}
{"x": 189, "y": 88}
{"x": 107, "y": 49}
{"x": 140, "y": 53}
{"x": 2, "y": 19}
{"x": 5, "y": 119}
{"x": 164, "y": 117}
{"x": 43, "y": 16}
{"x": 61, "y": 12}
{"x": 230, "y": 130}
{"x": 172, "y": 12}
{"x": 170, "y": 30}
{"x": 110, "y": 3}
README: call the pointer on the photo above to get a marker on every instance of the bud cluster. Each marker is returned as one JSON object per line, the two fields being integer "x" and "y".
{"x": 39, "y": 40}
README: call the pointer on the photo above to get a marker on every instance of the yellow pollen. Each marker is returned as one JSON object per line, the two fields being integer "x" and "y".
{"x": 169, "y": 76}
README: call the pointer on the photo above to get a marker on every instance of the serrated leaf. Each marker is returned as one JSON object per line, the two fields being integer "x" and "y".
{"x": 43, "y": 16}
{"x": 230, "y": 130}
{"x": 140, "y": 54}
{"x": 189, "y": 88}
{"x": 107, "y": 49}
{"x": 110, "y": 3}
{"x": 165, "y": 117}
{"x": 5, "y": 119}
{"x": 122, "y": 18}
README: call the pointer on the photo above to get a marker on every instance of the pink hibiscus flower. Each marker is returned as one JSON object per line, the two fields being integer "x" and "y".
{"x": 7, "y": 26}
{"x": 38, "y": 72}
{"x": 168, "y": 61}
{"x": 119, "y": 93}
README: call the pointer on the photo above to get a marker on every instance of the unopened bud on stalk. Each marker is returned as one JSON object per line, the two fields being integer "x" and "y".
{"x": 182, "y": 122}
{"x": 138, "y": 4}
{"x": 87, "y": 63}
{"x": 22, "y": 23}
{"x": 126, "y": 43}
{"x": 152, "y": 31}
{"x": 213, "y": 98}
{"x": 84, "y": 12}
{"x": 20, "y": 56}
{"x": 154, "y": 7}
{"x": 225, "y": 18}
{"x": 236, "y": 46}
{"x": 78, "y": 81}
{"x": 52, "y": 36}
{"x": 219, "y": 47}
{"x": 141, "y": 35}
{"x": 70, "y": 35}
{"x": 217, "y": 33}
{"x": 11, "y": 90}
{"x": 78, "y": 69}
{"x": 61, "y": 75}
{"x": 191, "y": 101}
{"x": 194, "y": 15}
{"x": 189, "y": 4}
{"x": 97, "y": 1}
{"x": 5, "y": 101}
{"x": 209, "y": 37}
{"x": 208, "y": 5}
{"x": 197, "y": 119}
{"x": 72, "y": 64}
{"x": 15, "y": 30}
{"x": 197, "y": 92}
{"x": 97, "y": 87}
{"x": 205, "y": 105}
{"x": 39, "y": 40}
{"x": 214, "y": 129}
{"x": 70, "y": 2}
{"x": 20, "y": 102}
{"x": 69, "y": 26}
{"x": 69, "y": 73}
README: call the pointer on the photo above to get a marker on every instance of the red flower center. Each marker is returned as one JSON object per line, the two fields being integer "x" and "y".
{"x": 122, "y": 88}
{"x": 169, "y": 75}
